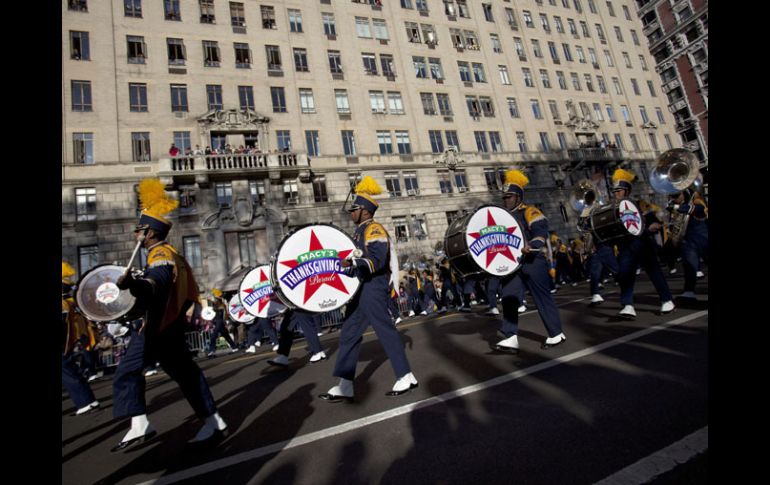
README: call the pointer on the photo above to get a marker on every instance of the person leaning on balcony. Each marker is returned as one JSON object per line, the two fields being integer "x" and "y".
{"x": 376, "y": 269}
{"x": 166, "y": 289}
{"x": 173, "y": 151}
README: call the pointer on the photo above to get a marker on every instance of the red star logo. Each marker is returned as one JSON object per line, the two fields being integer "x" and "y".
{"x": 240, "y": 312}
{"x": 265, "y": 300}
{"x": 502, "y": 249}
{"x": 333, "y": 279}
{"x": 630, "y": 221}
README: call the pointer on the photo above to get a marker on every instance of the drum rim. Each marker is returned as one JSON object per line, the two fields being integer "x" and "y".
{"x": 615, "y": 205}
{"x": 481, "y": 271}
{"x": 240, "y": 284}
{"x": 88, "y": 313}
{"x": 274, "y": 281}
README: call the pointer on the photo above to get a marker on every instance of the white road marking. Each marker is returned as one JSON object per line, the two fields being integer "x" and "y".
{"x": 408, "y": 408}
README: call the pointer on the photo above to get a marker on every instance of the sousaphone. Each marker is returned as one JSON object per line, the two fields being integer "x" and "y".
{"x": 675, "y": 171}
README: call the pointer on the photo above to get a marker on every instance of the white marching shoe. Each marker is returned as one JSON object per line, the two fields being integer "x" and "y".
{"x": 628, "y": 312}
{"x": 141, "y": 430}
{"x": 275, "y": 348}
{"x": 522, "y": 309}
{"x": 252, "y": 349}
{"x": 411, "y": 313}
{"x": 510, "y": 345}
{"x": 404, "y": 384}
{"x": 398, "y": 320}
{"x": 667, "y": 307}
{"x": 341, "y": 392}
{"x": 596, "y": 299}
{"x": 87, "y": 408}
{"x": 699, "y": 274}
{"x": 492, "y": 311}
{"x": 554, "y": 341}
{"x": 214, "y": 425}
{"x": 280, "y": 360}
{"x": 318, "y": 356}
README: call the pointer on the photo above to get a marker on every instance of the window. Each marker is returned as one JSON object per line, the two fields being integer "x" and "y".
{"x": 544, "y": 22}
{"x": 536, "y": 48}
{"x": 273, "y": 57}
{"x": 465, "y": 72}
{"x": 487, "y": 7}
{"x": 192, "y": 251}
{"x": 137, "y": 97}
{"x": 444, "y": 107}
{"x": 380, "y": 29}
{"x": 436, "y": 141}
{"x": 246, "y": 97}
{"x": 81, "y": 96}
{"x": 319, "y": 189}
{"x": 536, "y": 109}
{"x": 444, "y": 181}
{"x": 428, "y": 107}
{"x": 279, "y": 99}
{"x": 561, "y": 79}
{"x": 589, "y": 82}
{"x": 634, "y": 37}
{"x": 619, "y": 141}
{"x": 306, "y": 100}
{"x": 385, "y": 142}
{"x": 140, "y": 146}
{"x": 608, "y": 58}
{"x": 451, "y": 139}
{"x": 362, "y": 28}
{"x": 504, "y": 78}
{"x": 330, "y": 27}
{"x": 659, "y": 114}
{"x": 257, "y": 191}
{"x": 187, "y": 198}
{"x": 610, "y": 113}
{"x": 237, "y": 15}
{"x": 667, "y": 137}
{"x": 490, "y": 177}
{"x": 474, "y": 109}
{"x": 618, "y": 34}
{"x": 421, "y": 5}
{"x": 242, "y": 55}
{"x": 419, "y": 67}
{"x": 481, "y": 141}
{"x": 602, "y": 85}
{"x": 651, "y": 88}
{"x": 370, "y": 64}
{"x": 554, "y": 52}
{"x": 83, "y": 145}
{"x": 643, "y": 114}
{"x": 290, "y": 191}
{"x": 393, "y": 184}
{"x": 132, "y": 8}
{"x": 80, "y": 49}
{"x": 214, "y": 97}
{"x": 600, "y": 33}
{"x": 554, "y": 108}
{"x": 496, "y": 45}
{"x": 300, "y": 60}
{"x": 429, "y": 34}
{"x": 528, "y": 19}
{"x": 268, "y": 17}
{"x": 171, "y": 10}
{"x": 513, "y": 108}
{"x": 335, "y": 62}
{"x": 403, "y": 143}
{"x": 283, "y": 140}
{"x": 624, "y": 113}
{"x": 461, "y": 180}
{"x": 545, "y": 79}
{"x": 377, "y": 101}
{"x": 527, "y": 77}
{"x": 584, "y": 29}
{"x": 410, "y": 183}
{"x": 211, "y": 56}
{"x": 643, "y": 62}
{"x": 578, "y": 8}
{"x": 88, "y": 256}
{"x": 137, "y": 49}
{"x": 295, "y": 21}
{"x": 436, "y": 72}
{"x": 572, "y": 28}
{"x": 562, "y": 140}
{"x": 179, "y": 98}
{"x": 207, "y": 11}
{"x": 313, "y": 143}
{"x": 567, "y": 52}
{"x": 545, "y": 145}
{"x": 401, "y": 229}
{"x": 635, "y": 87}
{"x": 522, "y": 141}
{"x": 616, "y": 84}
{"x": 462, "y": 6}
{"x": 598, "y": 112}
{"x": 395, "y": 103}
{"x": 575, "y": 81}
{"x": 558, "y": 24}
{"x": 581, "y": 55}
{"x": 182, "y": 141}
{"x": 348, "y": 142}
{"x": 177, "y": 53}
{"x": 341, "y": 97}
{"x": 626, "y": 60}
{"x": 224, "y": 193}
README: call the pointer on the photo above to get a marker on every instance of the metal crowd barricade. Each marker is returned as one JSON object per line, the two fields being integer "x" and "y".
{"x": 196, "y": 340}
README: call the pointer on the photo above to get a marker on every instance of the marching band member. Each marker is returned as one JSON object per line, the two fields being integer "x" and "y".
{"x": 695, "y": 241}
{"x": 370, "y": 306}
{"x": 638, "y": 251}
{"x": 533, "y": 273}
{"x": 220, "y": 307}
{"x": 73, "y": 326}
{"x": 167, "y": 289}
{"x": 306, "y": 321}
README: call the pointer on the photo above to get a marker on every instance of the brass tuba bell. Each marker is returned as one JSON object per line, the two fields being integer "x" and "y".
{"x": 675, "y": 170}
{"x": 583, "y": 194}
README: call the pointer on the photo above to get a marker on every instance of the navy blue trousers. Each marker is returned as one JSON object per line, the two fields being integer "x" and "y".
{"x": 169, "y": 348}
{"x": 693, "y": 247}
{"x": 369, "y": 307}
{"x": 220, "y": 329}
{"x": 604, "y": 257}
{"x": 634, "y": 253}
{"x": 534, "y": 276}
{"x": 76, "y": 385}
{"x": 259, "y": 329}
{"x": 493, "y": 287}
{"x": 308, "y": 322}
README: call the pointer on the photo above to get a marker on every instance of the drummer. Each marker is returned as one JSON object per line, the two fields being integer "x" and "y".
{"x": 634, "y": 252}
{"x": 370, "y": 304}
{"x": 73, "y": 325}
{"x": 533, "y": 273}
{"x": 167, "y": 289}
{"x": 309, "y": 323}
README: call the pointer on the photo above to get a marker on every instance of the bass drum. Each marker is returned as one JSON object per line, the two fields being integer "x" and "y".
{"x": 237, "y": 312}
{"x": 485, "y": 241}
{"x": 306, "y": 273}
{"x": 256, "y": 293}
{"x": 616, "y": 220}
{"x": 99, "y": 298}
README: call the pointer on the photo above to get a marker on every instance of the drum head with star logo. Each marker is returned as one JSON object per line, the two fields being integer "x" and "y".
{"x": 306, "y": 270}
{"x": 237, "y": 312}
{"x": 631, "y": 217}
{"x": 255, "y": 291}
{"x": 494, "y": 240}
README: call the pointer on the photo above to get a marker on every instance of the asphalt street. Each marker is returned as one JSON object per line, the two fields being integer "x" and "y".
{"x": 619, "y": 398}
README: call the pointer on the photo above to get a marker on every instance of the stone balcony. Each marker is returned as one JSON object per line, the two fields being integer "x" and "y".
{"x": 203, "y": 167}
